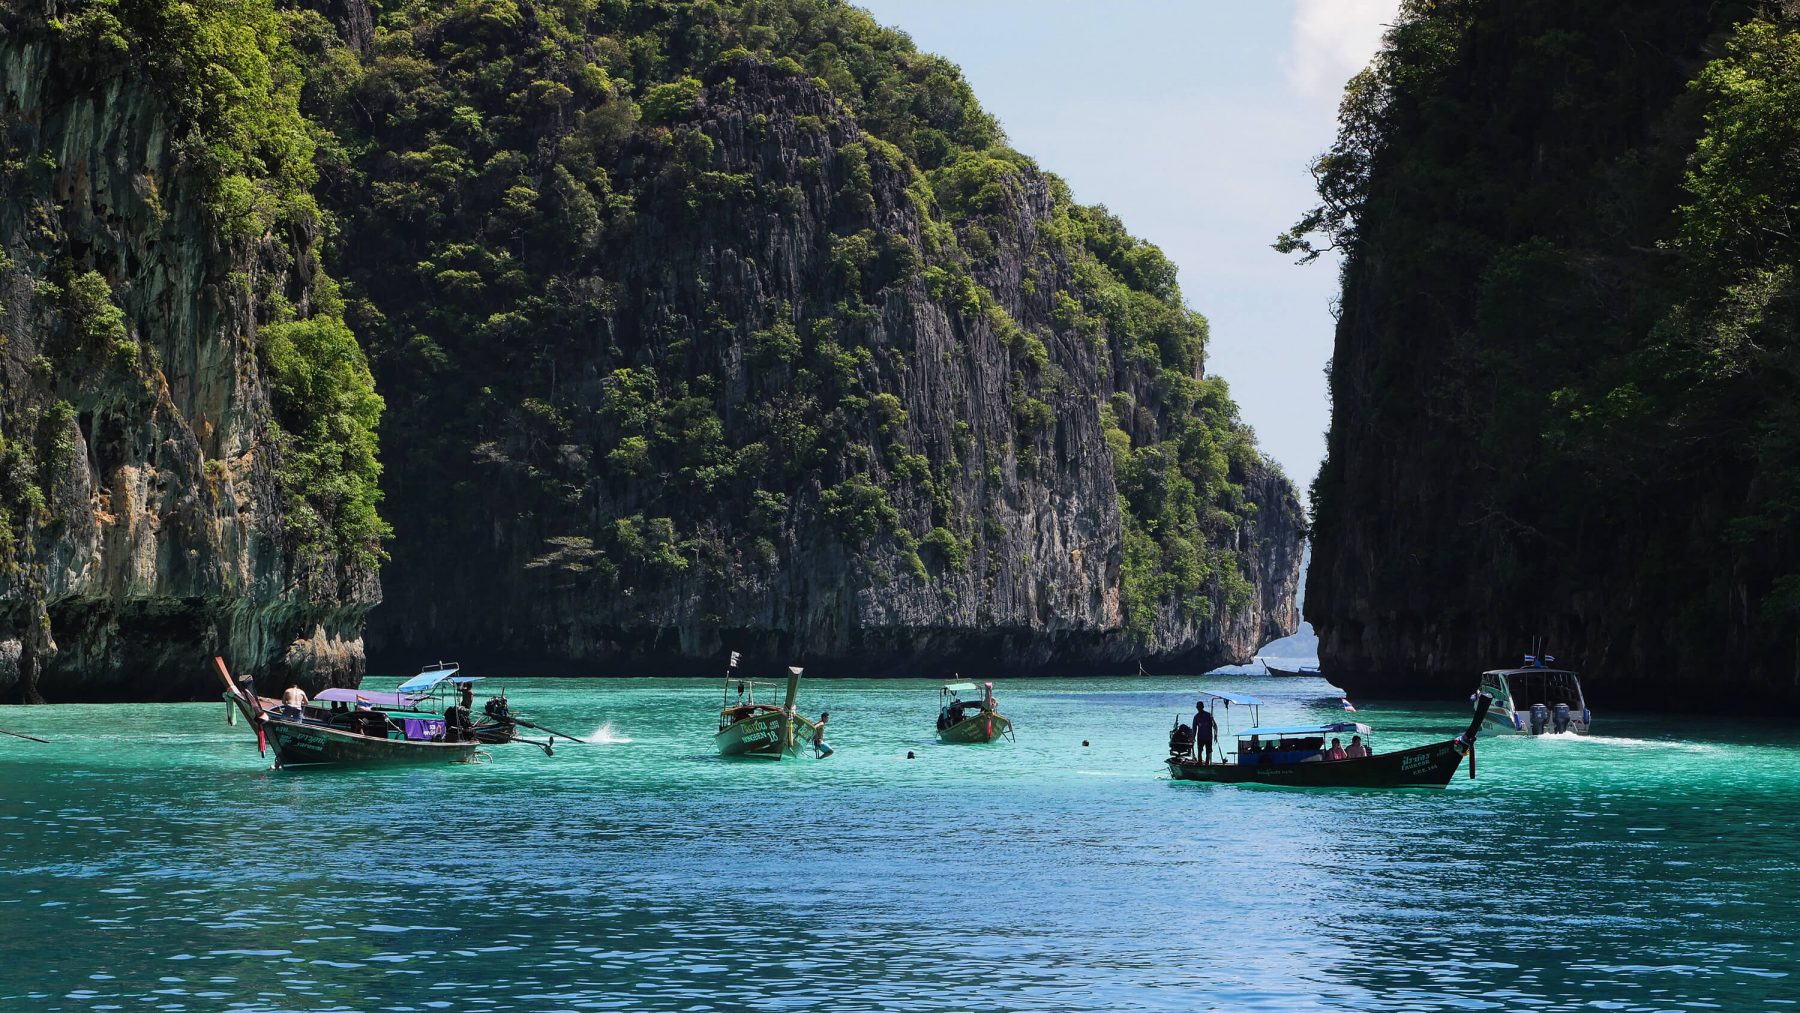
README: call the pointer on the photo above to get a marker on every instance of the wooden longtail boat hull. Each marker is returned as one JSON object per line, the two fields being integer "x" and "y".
{"x": 756, "y": 735}
{"x": 1420, "y": 767}
{"x": 496, "y": 733}
{"x": 1290, "y": 674}
{"x": 301, "y": 745}
{"x": 980, "y": 728}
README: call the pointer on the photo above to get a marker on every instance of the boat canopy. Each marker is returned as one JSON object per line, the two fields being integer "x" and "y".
{"x": 428, "y": 678}
{"x": 1528, "y": 671}
{"x": 1337, "y": 727}
{"x": 370, "y": 697}
{"x": 961, "y": 687}
{"x": 1237, "y": 698}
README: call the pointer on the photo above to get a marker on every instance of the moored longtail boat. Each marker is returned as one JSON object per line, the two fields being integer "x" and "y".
{"x": 748, "y": 728}
{"x": 1295, "y": 756}
{"x": 312, "y": 736}
{"x": 962, "y": 720}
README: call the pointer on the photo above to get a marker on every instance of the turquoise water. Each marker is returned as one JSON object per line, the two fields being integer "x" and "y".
{"x": 152, "y": 861}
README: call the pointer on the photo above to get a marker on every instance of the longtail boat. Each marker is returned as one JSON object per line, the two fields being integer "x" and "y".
{"x": 962, "y": 720}
{"x": 355, "y": 727}
{"x": 748, "y": 728}
{"x": 1291, "y": 673}
{"x": 1298, "y": 756}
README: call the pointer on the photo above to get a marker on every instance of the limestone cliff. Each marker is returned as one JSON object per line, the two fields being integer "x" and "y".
{"x": 763, "y": 342}
{"x": 1562, "y": 384}
{"x": 144, "y": 526}
{"x": 728, "y": 324}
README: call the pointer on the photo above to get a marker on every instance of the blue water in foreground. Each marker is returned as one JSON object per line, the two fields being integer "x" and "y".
{"x": 152, "y": 861}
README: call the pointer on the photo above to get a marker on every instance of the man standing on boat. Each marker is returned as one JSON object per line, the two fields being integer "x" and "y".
{"x": 1204, "y": 732}
{"x": 294, "y": 699}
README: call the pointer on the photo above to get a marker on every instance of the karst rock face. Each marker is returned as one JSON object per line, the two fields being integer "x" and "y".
{"x": 487, "y": 565}
{"x": 1562, "y": 400}
{"x": 699, "y": 327}
{"x": 147, "y": 531}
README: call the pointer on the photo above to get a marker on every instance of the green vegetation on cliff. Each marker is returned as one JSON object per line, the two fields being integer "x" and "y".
{"x": 676, "y": 321}
{"x": 223, "y": 75}
{"x": 506, "y": 176}
{"x": 1570, "y": 295}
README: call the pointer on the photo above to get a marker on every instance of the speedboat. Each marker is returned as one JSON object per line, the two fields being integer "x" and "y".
{"x": 1536, "y": 700}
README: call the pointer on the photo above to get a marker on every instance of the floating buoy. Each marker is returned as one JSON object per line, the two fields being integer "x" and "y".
{"x": 909, "y": 754}
{"x": 1084, "y": 743}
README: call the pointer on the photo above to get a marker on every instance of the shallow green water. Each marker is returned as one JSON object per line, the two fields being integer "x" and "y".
{"x": 152, "y": 862}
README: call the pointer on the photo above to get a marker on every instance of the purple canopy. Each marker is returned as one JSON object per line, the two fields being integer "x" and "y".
{"x": 370, "y": 697}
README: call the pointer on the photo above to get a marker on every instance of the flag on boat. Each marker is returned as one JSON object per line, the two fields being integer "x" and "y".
{"x": 1531, "y": 659}
{"x": 734, "y": 660}
{"x": 1549, "y": 659}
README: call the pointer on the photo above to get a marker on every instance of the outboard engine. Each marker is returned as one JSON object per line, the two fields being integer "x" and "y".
{"x": 1540, "y": 718}
{"x": 1561, "y": 718}
{"x": 1181, "y": 739}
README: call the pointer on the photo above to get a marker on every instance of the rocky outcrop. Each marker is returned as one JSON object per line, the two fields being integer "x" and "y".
{"x": 1547, "y": 426}
{"x": 509, "y": 550}
{"x": 145, "y": 529}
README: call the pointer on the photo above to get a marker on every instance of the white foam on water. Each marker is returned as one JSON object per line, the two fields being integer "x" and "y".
{"x": 1620, "y": 740}
{"x": 605, "y": 736}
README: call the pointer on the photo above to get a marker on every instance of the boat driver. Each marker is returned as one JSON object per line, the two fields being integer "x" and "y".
{"x": 1203, "y": 732}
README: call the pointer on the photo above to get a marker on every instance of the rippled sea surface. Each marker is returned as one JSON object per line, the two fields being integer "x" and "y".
{"x": 152, "y": 861}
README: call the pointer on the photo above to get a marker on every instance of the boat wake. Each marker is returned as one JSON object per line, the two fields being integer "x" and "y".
{"x": 605, "y": 736}
{"x": 1620, "y": 740}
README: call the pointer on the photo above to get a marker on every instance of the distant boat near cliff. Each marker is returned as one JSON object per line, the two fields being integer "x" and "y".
{"x": 978, "y": 720}
{"x": 1536, "y": 700}
{"x": 1311, "y": 671}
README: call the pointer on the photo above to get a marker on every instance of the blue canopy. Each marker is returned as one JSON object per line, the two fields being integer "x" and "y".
{"x": 1336, "y": 727}
{"x": 1237, "y": 698}
{"x": 428, "y": 678}
{"x": 368, "y": 696}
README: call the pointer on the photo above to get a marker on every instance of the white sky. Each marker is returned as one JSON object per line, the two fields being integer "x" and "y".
{"x": 1194, "y": 121}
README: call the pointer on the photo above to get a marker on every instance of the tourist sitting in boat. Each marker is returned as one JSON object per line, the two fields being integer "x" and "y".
{"x": 1250, "y": 753}
{"x": 1336, "y": 752}
{"x": 1356, "y": 749}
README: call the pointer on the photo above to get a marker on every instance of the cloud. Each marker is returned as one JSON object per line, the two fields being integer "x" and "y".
{"x": 1332, "y": 40}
